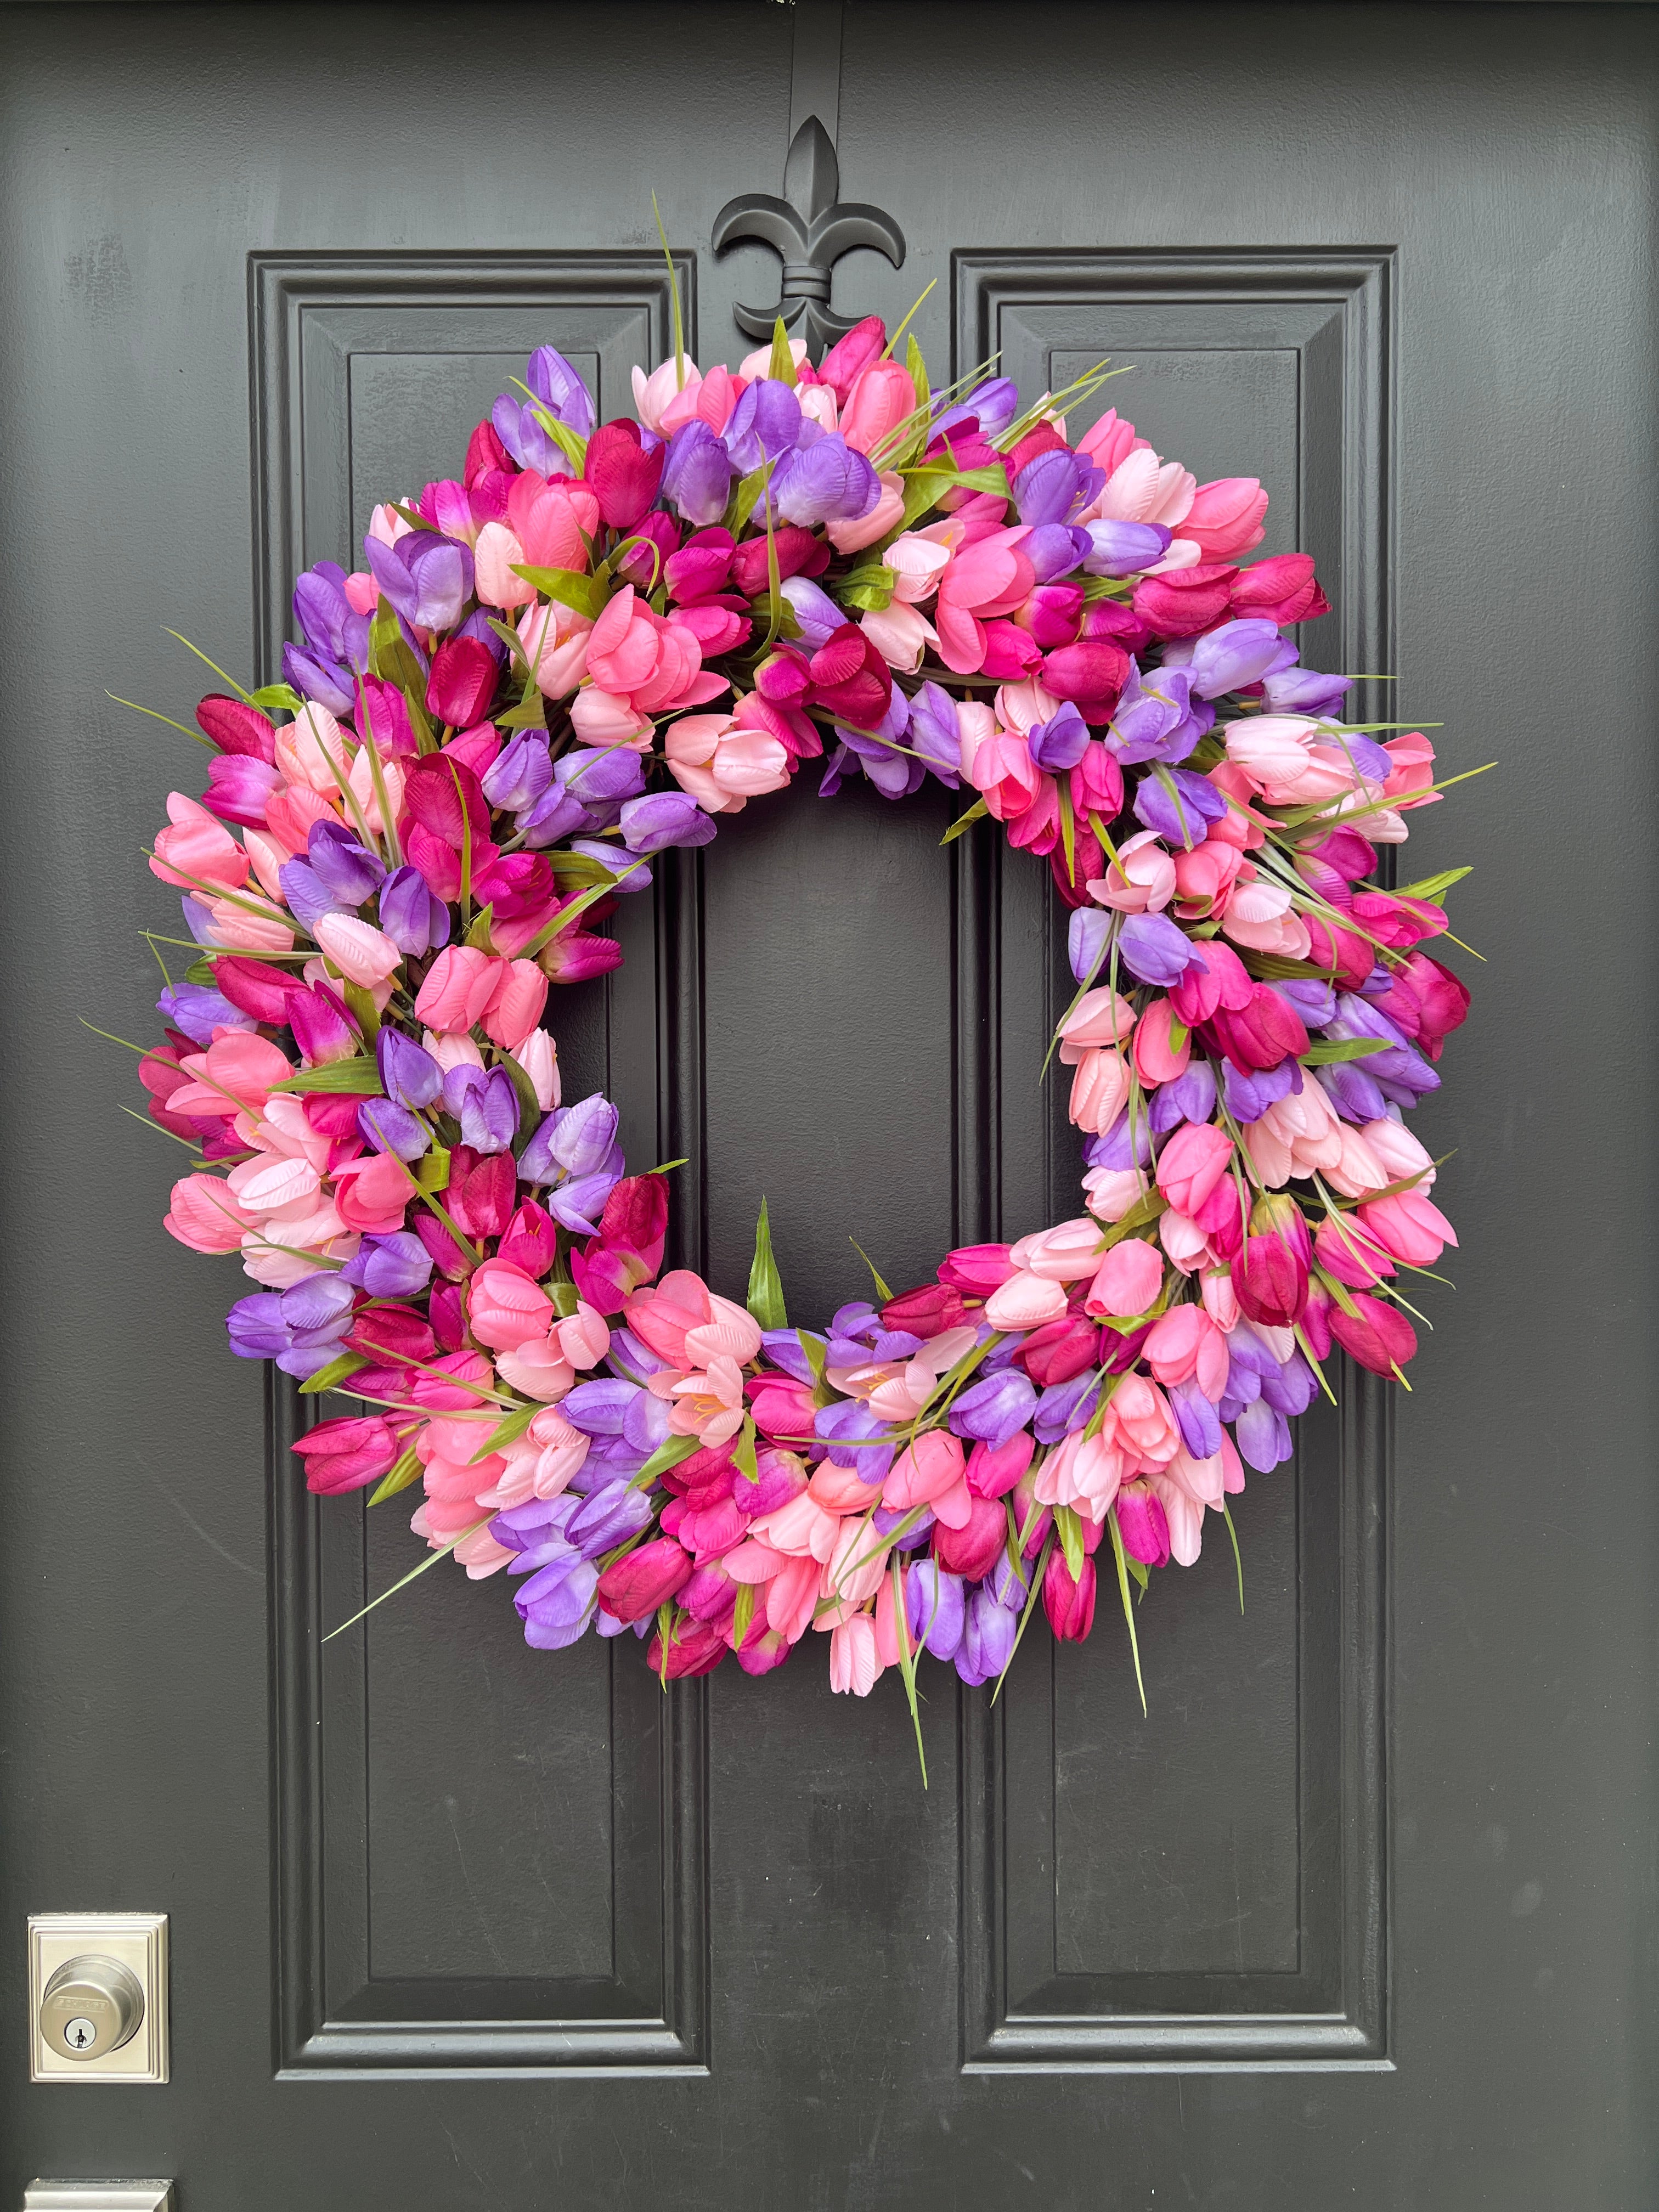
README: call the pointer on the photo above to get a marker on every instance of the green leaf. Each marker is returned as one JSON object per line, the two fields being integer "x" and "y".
{"x": 744, "y": 1612}
{"x": 743, "y": 1450}
{"x": 1431, "y": 887}
{"x": 269, "y": 697}
{"x": 976, "y": 812}
{"x": 818, "y": 1359}
{"x": 664, "y": 1457}
{"x": 567, "y": 586}
{"x": 413, "y": 516}
{"x": 364, "y": 1011}
{"x": 1119, "y": 1554}
{"x": 918, "y": 368}
{"x": 744, "y": 500}
{"x": 360, "y": 1075}
{"x": 1323, "y": 1051}
{"x": 507, "y": 1431}
{"x": 529, "y": 1107}
{"x": 923, "y": 487}
{"x": 1237, "y": 1560}
{"x": 907, "y": 1659}
{"x": 782, "y": 363}
{"x": 431, "y": 1559}
{"x": 432, "y": 1169}
{"x": 199, "y": 971}
{"x": 329, "y": 1378}
{"x": 391, "y": 656}
{"x": 477, "y": 934}
{"x": 1069, "y": 1529}
{"x": 765, "y": 1299}
{"x": 882, "y": 1291}
{"x": 406, "y": 1472}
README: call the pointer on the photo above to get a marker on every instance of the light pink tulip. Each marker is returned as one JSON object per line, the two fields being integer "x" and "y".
{"x": 1400, "y": 1152}
{"x": 854, "y": 1663}
{"x": 313, "y": 750}
{"x": 917, "y": 562}
{"x": 881, "y": 398}
{"x": 1185, "y": 1343}
{"x": 1143, "y": 490}
{"x": 1025, "y": 1302}
{"x": 539, "y": 1056}
{"x": 672, "y": 381}
{"x": 709, "y": 1405}
{"x": 494, "y": 557}
{"x": 1220, "y": 1300}
{"x": 239, "y": 928}
{"x": 1128, "y": 1280}
{"x": 363, "y": 953}
{"x": 538, "y": 1370}
{"x": 584, "y": 1336}
{"x": 1100, "y": 1017}
{"x": 1141, "y": 880}
{"x": 1224, "y": 517}
{"x": 1099, "y": 1091}
{"x": 1069, "y": 1253}
{"x": 722, "y": 766}
{"x": 204, "y": 1215}
{"x": 900, "y": 635}
{"x": 1110, "y": 1192}
{"x": 554, "y": 642}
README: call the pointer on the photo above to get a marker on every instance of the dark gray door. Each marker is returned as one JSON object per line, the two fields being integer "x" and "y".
{"x": 1361, "y": 1913}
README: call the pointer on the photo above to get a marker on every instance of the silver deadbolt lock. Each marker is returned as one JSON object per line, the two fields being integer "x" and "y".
{"x": 92, "y": 2006}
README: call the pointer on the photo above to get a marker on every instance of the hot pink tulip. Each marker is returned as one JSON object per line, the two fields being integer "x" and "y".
{"x": 993, "y": 1474}
{"x": 348, "y": 1454}
{"x": 1378, "y": 1335}
{"x": 1069, "y": 1603}
{"x": 632, "y": 1588}
{"x": 974, "y": 1549}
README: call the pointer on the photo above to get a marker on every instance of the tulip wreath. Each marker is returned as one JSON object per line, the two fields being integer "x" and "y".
{"x": 595, "y": 644}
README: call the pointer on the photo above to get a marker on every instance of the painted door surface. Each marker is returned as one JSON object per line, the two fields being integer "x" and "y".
{"x": 1361, "y": 1913}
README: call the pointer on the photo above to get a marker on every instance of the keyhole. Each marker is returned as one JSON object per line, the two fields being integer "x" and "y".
{"x": 80, "y": 2035}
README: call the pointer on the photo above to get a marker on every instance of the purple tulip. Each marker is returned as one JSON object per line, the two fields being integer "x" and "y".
{"x": 595, "y": 773}
{"x": 988, "y": 1632}
{"x": 520, "y": 773}
{"x": 856, "y": 1438}
{"x": 598, "y": 1408}
{"x": 326, "y": 617}
{"x": 1303, "y": 691}
{"x": 579, "y": 1138}
{"x": 1125, "y": 549}
{"x": 1312, "y": 1000}
{"x": 313, "y": 677}
{"x": 1154, "y": 951}
{"x": 696, "y": 476}
{"x": 555, "y": 815}
{"x": 395, "y": 1267}
{"x": 1064, "y": 1406}
{"x": 1238, "y": 654}
{"x": 1355, "y": 1095}
{"x": 662, "y": 818}
{"x": 577, "y": 1204}
{"x": 814, "y": 610}
{"x": 994, "y": 1410}
{"x": 485, "y": 1105}
{"x": 345, "y": 868}
{"x": 1294, "y": 1389}
{"x": 1156, "y": 719}
{"x": 1180, "y": 810}
{"x": 936, "y": 732}
{"x": 1087, "y": 936}
{"x": 1196, "y": 1417}
{"x": 1055, "y": 548}
{"x": 556, "y": 1604}
{"x": 386, "y": 1126}
{"x": 1399, "y": 1064}
{"x": 426, "y": 578}
{"x": 1263, "y": 1437}
{"x": 1251, "y": 1092}
{"x": 412, "y": 914}
{"x": 765, "y": 423}
{"x": 825, "y": 480}
{"x": 1059, "y": 744}
{"x": 1190, "y": 1098}
{"x": 1127, "y": 1144}
{"x": 561, "y": 390}
{"x": 1053, "y": 485}
{"x": 301, "y": 1328}
{"x": 933, "y": 1608}
{"x": 307, "y": 896}
{"x": 197, "y": 1009}
{"x": 993, "y": 405}
{"x": 409, "y": 1073}
{"x": 608, "y": 1516}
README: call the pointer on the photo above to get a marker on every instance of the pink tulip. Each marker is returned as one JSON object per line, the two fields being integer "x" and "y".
{"x": 1025, "y": 1302}
{"x": 1225, "y": 517}
{"x": 1408, "y": 1226}
{"x": 925, "y": 1471}
{"x": 1099, "y": 1091}
{"x": 987, "y": 578}
{"x": 880, "y": 398}
{"x": 515, "y": 1004}
{"x": 993, "y": 1474}
{"x": 1100, "y": 1017}
{"x": 976, "y": 1269}
{"x": 1378, "y": 1336}
{"x": 236, "y": 1070}
{"x": 974, "y": 1549}
{"x": 363, "y": 953}
{"x": 1192, "y": 1164}
{"x": 196, "y": 848}
{"x": 644, "y": 662}
{"x": 459, "y": 988}
{"x": 884, "y": 516}
{"x": 1204, "y": 876}
{"x": 313, "y": 750}
{"x": 1141, "y": 880}
{"x": 584, "y": 1336}
{"x": 1110, "y": 442}
{"x": 505, "y": 1306}
{"x": 708, "y": 1405}
{"x": 372, "y": 1195}
{"x": 1185, "y": 1343}
{"x": 1156, "y": 1060}
{"x": 1128, "y": 1279}
{"x": 204, "y": 1215}
{"x": 554, "y": 642}
{"x": 722, "y": 766}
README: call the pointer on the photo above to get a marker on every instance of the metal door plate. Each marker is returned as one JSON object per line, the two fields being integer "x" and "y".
{"x": 98, "y": 2196}
{"x": 139, "y": 1941}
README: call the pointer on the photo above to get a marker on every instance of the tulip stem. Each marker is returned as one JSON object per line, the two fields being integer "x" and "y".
{"x": 430, "y": 1560}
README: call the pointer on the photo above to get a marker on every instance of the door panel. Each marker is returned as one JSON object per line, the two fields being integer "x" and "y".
{"x": 1352, "y": 1915}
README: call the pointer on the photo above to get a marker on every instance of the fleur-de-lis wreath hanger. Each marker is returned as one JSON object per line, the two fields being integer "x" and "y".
{"x": 812, "y": 230}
